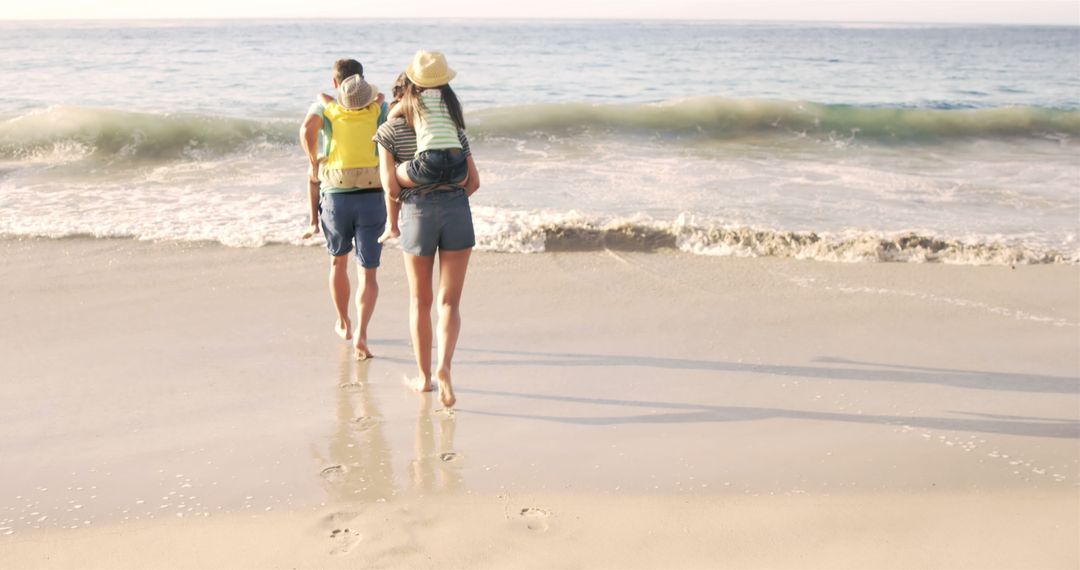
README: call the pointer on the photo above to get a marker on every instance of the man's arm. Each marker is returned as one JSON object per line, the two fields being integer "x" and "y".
{"x": 309, "y": 141}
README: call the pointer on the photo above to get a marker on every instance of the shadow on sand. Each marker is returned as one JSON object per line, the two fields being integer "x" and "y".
{"x": 849, "y": 370}
{"x": 695, "y": 413}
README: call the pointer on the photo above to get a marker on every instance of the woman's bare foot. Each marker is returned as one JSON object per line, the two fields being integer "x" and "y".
{"x": 418, "y": 384}
{"x": 343, "y": 328}
{"x": 362, "y": 352}
{"x": 446, "y": 389}
{"x": 389, "y": 234}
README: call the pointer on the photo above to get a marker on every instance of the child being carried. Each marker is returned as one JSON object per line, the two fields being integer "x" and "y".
{"x": 432, "y": 109}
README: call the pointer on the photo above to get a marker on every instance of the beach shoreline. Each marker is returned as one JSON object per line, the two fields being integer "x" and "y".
{"x": 186, "y": 404}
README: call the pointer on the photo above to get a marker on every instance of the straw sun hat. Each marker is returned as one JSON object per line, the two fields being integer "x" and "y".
{"x": 429, "y": 69}
{"x": 355, "y": 93}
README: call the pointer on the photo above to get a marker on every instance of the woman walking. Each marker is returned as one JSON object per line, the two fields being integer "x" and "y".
{"x": 435, "y": 221}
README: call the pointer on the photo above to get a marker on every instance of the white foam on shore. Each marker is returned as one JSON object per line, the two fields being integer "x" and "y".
{"x": 192, "y": 212}
{"x": 582, "y": 193}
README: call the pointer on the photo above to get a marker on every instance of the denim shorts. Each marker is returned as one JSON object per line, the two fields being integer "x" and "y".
{"x": 438, "y": 166}
{"x": 354, "y": 216}
{"x": 437, "y": 220}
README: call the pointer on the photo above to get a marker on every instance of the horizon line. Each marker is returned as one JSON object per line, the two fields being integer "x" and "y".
{"x": 528, "y": 19}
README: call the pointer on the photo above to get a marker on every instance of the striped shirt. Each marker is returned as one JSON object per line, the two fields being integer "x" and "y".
{"x": 399, "y": 138}
{"x": 435, "y": 130}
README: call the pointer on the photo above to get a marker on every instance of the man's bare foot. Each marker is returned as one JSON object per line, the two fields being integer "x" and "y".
{"x": 389, "y": 234}
{"x": 446, "y": 389}
{"x": 343, "y": 329}
{"x": 362, "y": 352}
{"x": 418, "y": 384}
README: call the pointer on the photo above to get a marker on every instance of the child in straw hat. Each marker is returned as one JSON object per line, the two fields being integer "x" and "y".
{"x": 432, "y": 109}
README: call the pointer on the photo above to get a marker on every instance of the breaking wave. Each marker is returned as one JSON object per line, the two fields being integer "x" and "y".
{"x": 75, "y": 133}
{"x": 523, "y": 233}
{"x": 722, "y": 118}
{"x": 63, "y": 134}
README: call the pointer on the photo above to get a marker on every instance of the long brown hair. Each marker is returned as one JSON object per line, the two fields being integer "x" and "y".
{"x": 399, "y": 88}
{"x": 412, "y": 105}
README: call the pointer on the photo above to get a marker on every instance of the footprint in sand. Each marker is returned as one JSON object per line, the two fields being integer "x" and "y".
{"x": 535, "y": 519}
{"x": 343, "y": 540}
{"x": 351, "y": 386}
{"x": 450, "y": 457}
{"x": 334, "y": 473}
{"x": 364, "y": 423}
{"x": 339, "y": 520}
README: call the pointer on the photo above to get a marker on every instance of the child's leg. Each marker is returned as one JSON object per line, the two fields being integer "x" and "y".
{"x": 393, "y": 210}
{"x": 403, "y": 175}
{"x": 459, "y": 171}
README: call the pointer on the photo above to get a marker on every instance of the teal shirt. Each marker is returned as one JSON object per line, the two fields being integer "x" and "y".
{"x": 319, "y": 108}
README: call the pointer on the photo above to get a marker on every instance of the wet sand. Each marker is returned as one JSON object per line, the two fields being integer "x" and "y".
{"x": 186, "y": 405}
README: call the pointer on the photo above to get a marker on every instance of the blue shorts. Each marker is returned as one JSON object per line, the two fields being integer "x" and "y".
{"x": 359, "y": 216}
{"x": 438, "y": 220}
{"x": 438, "y": 166}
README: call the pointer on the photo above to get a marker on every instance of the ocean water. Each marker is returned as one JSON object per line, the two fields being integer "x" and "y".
{"x": 854, "y": 143}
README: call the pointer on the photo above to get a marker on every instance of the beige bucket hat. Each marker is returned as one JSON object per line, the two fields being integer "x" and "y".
{"x": 429, "y": 69}
{"x": 356, "y": 93}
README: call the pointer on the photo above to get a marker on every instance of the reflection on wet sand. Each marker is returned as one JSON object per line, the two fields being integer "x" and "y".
{"x": 357, "y": 471}
{"x": 434, "y": 469}
{"x": 359, "y": 465}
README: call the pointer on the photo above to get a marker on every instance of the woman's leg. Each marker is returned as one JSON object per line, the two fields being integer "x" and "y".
{"x": 452, "y": 268}
{"x": 419, "y": 269}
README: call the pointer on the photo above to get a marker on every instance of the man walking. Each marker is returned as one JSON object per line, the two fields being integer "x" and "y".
{"x": 344, "y": 192}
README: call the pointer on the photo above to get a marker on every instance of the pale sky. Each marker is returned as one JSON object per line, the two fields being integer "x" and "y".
{"x": 1055, "y": 12}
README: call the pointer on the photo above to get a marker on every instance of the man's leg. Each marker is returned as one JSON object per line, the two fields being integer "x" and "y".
{"x": 338, "y": 243}
{"x": 367, "y": 293}
{"x": 370, "y": 222}
{"x": 339, "y": 293}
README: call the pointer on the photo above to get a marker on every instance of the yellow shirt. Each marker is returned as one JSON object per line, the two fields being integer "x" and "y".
{"x": 351, "y": 132}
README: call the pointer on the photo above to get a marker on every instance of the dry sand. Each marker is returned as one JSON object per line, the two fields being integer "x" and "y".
{"x": 180, "y": 405}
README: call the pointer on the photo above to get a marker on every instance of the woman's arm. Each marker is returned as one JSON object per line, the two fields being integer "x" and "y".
{"x": 472, "y": 184}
